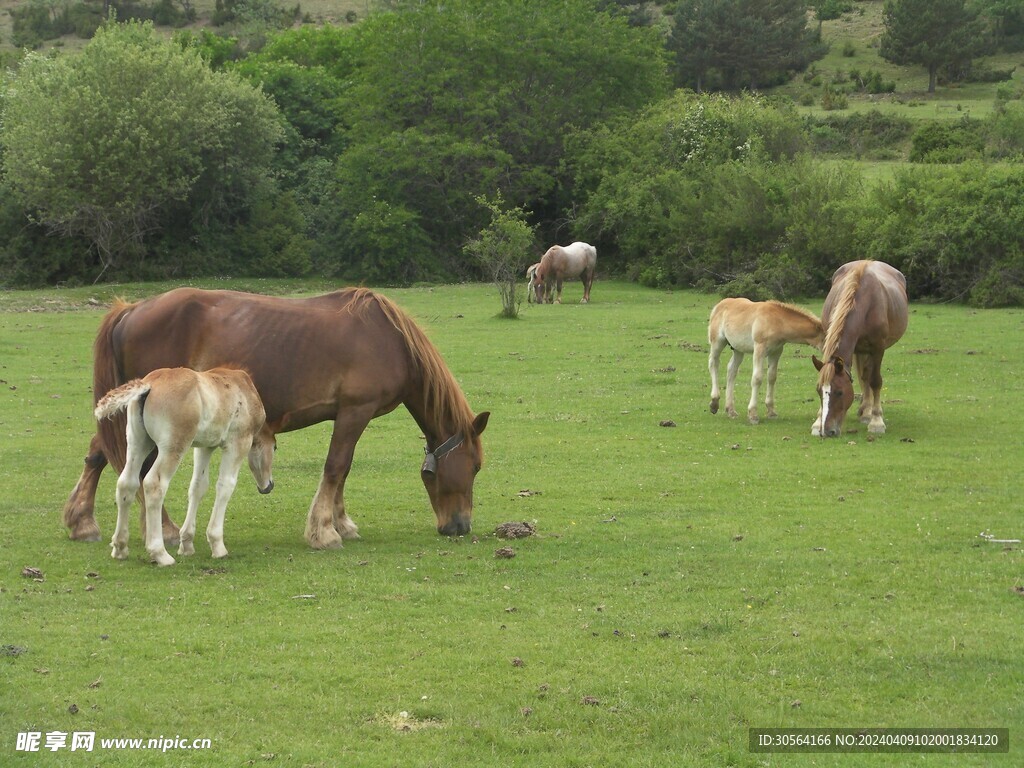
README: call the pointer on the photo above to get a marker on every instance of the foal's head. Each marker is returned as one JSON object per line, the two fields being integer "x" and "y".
{"x": 261, "y": 457}
{"x": 835, "y": 389}
{"x": 539, "y": 282}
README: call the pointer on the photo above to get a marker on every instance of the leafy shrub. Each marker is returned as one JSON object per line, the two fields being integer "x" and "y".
{"x": 956, "y": 232}
{"x": 1006, "y": 130}
{"x": 938, "y": 142}
{"x": 849, "y": 49}
{"x": 833, "y": 98}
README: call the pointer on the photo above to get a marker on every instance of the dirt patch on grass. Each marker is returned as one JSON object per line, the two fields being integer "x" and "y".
{"x": 405, "y": 722}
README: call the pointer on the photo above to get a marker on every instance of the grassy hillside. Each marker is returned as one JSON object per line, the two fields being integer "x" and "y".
{"x": 854, "y": 43}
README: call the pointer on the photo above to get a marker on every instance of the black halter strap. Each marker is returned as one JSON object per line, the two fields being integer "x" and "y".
{"x": 434, "y": 456}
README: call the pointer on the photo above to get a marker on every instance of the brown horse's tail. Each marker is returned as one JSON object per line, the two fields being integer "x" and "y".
{"x": 106, "y": 375}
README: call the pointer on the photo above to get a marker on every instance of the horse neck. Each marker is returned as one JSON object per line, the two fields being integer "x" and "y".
{"x": 844, "y": 338}
{"x": 437, "y": 420}
{"x": 806, "y": 330}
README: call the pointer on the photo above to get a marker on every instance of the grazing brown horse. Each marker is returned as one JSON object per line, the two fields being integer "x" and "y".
{"x": 762, "y": 328}
{"x": 865, "y": 313}
{"x": 345, "y": 357}
{"x": 557, "y": 263}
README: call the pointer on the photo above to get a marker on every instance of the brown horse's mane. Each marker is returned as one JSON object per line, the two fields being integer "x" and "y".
{"x": 443, "y": 398}
{"x": 837, "y": 323}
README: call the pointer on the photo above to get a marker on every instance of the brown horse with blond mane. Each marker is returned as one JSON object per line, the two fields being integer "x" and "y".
{"x": 345, "y": 357}
{"x": 864, "y": 314}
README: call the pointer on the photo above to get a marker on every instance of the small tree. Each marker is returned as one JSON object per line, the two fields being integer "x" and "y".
{"x": 931, "y": 33}
{"x": 104, "y": 143}
{"x": 499, "y": 250}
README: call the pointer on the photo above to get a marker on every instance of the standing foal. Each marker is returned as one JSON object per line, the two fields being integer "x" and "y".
{"x": 762, "y": 328}
{"x": 172, "y": 409}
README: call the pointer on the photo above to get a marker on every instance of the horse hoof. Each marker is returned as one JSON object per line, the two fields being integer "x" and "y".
{"x": 754, "y": 421}
{"x": 85, "y": 530}
{"x": 162, "y": 559}
{"x": 172, "y": 537}
{"x": 119, "y": 554}
{"x": 186, "y": 548}
{"x": 219, "y": 552}
{"x": 714, "y": 406}
{"x": 876, "y": 429}
{"x": 325, "y": 538}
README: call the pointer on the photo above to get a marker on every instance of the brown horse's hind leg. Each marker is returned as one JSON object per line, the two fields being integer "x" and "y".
{"x": 79, "y": 515}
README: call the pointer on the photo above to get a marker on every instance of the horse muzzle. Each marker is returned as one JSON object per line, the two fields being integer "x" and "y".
{"x": 458, "y": 526}
{"x": 268, "y": 489}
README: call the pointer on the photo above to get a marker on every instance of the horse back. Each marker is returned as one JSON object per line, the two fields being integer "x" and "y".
{"x": 570, "y": 260}
{"x": 881, "y": 309}
{"x": 307, "y": 357}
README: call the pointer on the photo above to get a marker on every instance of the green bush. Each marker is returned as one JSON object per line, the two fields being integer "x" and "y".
{"x": 939, "y": 142}
{"x": 1006, "y": 130}
{"x": 956, "y": 232}
{"x": 833, "y": 98}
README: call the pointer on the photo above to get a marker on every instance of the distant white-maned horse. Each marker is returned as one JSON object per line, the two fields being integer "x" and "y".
{"x": 171, "y": 410}
{"x": 575, "y": 260}
{"x": 531, "y": 274}
{"x": 762, "y": 328}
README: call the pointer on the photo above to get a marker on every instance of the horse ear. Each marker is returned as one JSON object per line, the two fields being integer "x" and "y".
{"x": 839, "y": 365}
{"x": 480, "y": 422}
{"x": 818, "y": 365}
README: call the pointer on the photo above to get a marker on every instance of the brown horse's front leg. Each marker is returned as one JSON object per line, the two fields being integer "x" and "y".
{"x": 79, "y": 514}
{"x": 328, "y": 524}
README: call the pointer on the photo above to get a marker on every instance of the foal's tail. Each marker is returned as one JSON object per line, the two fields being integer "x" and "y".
{"x": 117, "y": 400}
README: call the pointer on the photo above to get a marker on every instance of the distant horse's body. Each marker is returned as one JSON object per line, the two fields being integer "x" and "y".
{"x": 173, "y": 409}
{"x": 864, "y": 314}
{"x": 531, "y": 276}
{"x": 346, "y": 357}
{"x": 762, "y": 328}
{"x": 557, "y": 264}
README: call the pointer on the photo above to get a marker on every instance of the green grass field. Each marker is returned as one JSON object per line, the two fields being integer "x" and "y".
{"x": 687, "y": 583}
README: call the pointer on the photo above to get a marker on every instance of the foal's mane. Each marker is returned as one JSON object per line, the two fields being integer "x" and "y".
{"x": 443, "y": 398}
{"x": 798, "y": 310}
{"x": 837, "y": 322}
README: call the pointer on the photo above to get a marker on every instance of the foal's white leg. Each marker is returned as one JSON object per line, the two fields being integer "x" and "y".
{"x": 730, "y": 383}
{"x": 139, "y": 447}
{"x": 230, "y": 463}
{"x": 155, "y": 487}
{"x": 196, "y": 490}
{"x": 755, "y": 382}
{"x": 773, "y": 374}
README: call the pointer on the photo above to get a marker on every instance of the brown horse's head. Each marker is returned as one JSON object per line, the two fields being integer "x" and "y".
{"x": 835, "y": 390}
{"x": 449, "y": 470}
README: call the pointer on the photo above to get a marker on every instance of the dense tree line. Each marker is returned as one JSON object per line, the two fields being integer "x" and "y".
{"x": 375, "y": 152}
